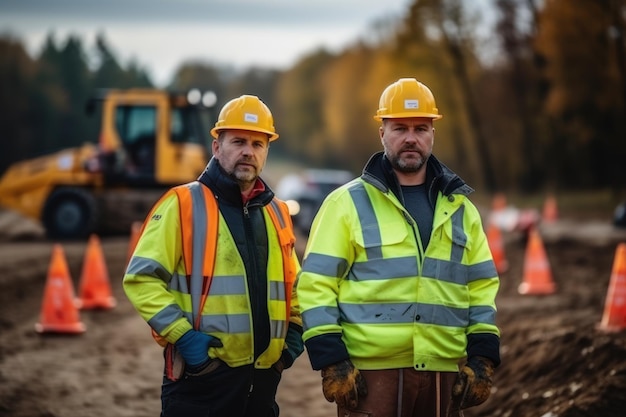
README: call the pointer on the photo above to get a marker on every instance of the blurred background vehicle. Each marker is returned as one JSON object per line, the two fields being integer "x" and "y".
{"x": 304, "y": 193}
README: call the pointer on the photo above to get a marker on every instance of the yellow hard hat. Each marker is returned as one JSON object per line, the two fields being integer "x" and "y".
{"x": 246, "y": 113}
{"x": 407, "y": 97}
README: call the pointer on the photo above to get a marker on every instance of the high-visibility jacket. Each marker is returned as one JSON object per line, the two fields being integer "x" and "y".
{"x": 370, "y": 292}
{"x": 195, "y": 277}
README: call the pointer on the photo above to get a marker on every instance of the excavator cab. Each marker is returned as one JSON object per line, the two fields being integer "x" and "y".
{"x": 150, "y": 138}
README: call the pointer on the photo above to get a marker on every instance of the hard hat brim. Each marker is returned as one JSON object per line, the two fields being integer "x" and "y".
{"x": 216, "y": 130}
{"x": 408, "y": 116}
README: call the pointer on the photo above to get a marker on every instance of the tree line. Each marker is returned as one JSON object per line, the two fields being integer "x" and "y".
{"x": 540, "y": 102}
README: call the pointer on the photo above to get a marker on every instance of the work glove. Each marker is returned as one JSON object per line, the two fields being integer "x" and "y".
{"x": 343, "y": 384}
{"x": 194, "y": 347}
{"x": 473, "y": 384}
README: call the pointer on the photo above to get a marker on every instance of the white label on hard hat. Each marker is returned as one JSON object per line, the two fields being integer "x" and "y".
{"x": 411, "y": 104}
{"x": 251, "y": 118}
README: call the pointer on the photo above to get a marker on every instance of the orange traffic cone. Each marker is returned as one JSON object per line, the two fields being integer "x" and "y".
{"x": 614, "y": 317}
{"x": 95, "y": 289}
{"x": 494, "y": 238}
{"x": 537, "y": 272}
{"x": 135, "y": 231}
{"x": 58, "y": 311}
{"x": 550, "y": 210}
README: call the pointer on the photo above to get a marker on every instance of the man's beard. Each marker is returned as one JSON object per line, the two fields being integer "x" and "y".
{"x": 407, "y": 165}
{"x": 244, "y": 176}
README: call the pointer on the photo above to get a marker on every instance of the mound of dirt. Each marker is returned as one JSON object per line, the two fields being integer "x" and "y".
{"x": 14, "y": 227}
{"x": 555, "y": 360}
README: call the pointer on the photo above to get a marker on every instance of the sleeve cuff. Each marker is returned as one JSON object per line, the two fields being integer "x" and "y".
{"x": 484, "y": 344}
{"x": 326, "y": 349}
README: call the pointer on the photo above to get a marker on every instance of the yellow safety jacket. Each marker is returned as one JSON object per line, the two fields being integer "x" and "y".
{"x": 368, "y": 287}
{"x": 186, "y": 272}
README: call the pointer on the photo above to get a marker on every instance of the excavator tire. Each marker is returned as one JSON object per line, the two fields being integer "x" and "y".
{"x": 70, "y": 213}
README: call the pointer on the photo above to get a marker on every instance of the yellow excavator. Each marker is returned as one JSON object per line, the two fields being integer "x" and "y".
{"x": 149, "y": 141}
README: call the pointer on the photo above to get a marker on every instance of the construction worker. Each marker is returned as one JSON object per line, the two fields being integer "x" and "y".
{"x": 398, "y": 284}
{"x": 213, "y": 274}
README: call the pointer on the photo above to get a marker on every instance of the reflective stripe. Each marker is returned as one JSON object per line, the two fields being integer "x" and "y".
{"x": 278, "y": 329}
{"x": 165, "y": 317}
{"x": 225, "y": 323}
{"x": 445, "y": 270}
{"x": 320, "y": 316}
{"x": 148, "y": 267}
{"x": 277, "y": 290}
{"x": 393, "y": 313}
{"x": 372, "y": 239}
{"x": 279, "y": 214}
{"x": 331, "y": 266}
{"x": 459, "y": 237}
{"x": 199, "y": 221}
{"x": 384, "y": 269}
{"x": 482, "y": 314}
{"x": 457, "y": 273}
{"x": 179, "y": 283}
{"x": 228, "y": 285}
{"x": 482, "y": 270}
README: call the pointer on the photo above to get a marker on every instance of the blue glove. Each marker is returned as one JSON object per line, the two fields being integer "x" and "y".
{"x": 194, "y": 346}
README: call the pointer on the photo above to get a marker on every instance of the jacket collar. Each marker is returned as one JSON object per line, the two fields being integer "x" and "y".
{"x": 379, "y": 173}
{"x": 227, "y": 189}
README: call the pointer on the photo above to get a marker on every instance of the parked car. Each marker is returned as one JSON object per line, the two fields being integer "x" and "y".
{"x": 305, "y": 193}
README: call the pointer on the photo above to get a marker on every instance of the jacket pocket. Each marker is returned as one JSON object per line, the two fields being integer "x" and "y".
{"x": 373, "y": 237}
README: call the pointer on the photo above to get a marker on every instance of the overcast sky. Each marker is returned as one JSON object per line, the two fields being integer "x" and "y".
{"x": 161, "y": 34}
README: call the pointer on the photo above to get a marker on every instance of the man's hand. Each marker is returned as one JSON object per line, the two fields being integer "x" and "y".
{"x": 343, "y": 384}
{"x": 194, "y": 347}
{"x": 473, "y": 384}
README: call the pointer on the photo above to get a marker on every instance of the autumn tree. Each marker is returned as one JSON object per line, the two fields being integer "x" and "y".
{"x": 299, "y": 107}
{"x": 582, "y": 43}
{"x": 436, "y": 39}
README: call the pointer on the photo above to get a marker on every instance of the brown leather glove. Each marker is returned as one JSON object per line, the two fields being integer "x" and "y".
{"x": 473, "y": 384}
{"x": 343, "y": 384}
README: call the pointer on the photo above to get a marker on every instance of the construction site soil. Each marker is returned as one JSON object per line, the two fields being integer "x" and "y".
{"x": 555, "y": 360}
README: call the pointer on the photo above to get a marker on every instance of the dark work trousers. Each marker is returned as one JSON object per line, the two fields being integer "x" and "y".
{"x": 404, "y": 393}
{"x": 224, "y": 392}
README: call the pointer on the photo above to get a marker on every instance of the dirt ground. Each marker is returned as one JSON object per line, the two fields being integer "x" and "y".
{"x": 555, "y": 362}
